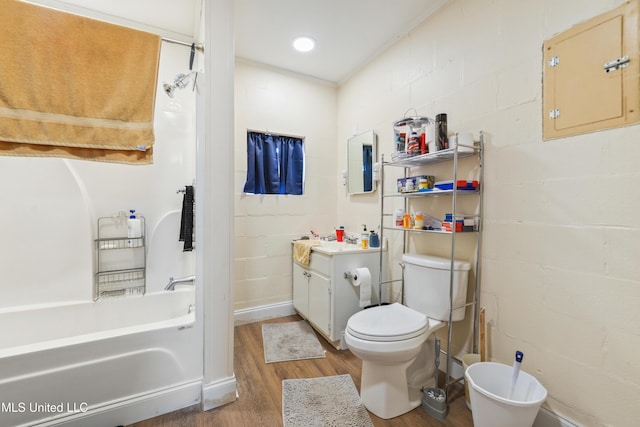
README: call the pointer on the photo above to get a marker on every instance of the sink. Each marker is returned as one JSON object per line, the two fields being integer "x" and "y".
{"x": 335, "y": 247}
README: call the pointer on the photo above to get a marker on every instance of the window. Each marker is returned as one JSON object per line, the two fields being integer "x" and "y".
{"x": 275, "y": 164}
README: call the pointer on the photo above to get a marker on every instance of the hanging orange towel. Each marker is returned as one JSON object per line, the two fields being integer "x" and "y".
{"x": 302, "y": 250}
{"x": 75, "y": 87}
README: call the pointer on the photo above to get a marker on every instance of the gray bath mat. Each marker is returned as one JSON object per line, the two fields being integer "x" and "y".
{"x": 290, "y": 341}
{"x": 326, "y": 401}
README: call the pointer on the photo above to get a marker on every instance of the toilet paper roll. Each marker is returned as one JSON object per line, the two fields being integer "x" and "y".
{"x": 361, "y": 277}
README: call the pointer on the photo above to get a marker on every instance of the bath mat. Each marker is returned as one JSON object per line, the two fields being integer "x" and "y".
{"x": 326, "y": 401}
{"x": 290, "y": 341}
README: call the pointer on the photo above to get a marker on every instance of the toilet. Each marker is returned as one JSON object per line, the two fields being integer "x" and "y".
{"x": 396, "y": 342}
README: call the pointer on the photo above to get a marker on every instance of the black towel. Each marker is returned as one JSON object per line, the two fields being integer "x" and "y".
{"x": 186, "y": 222}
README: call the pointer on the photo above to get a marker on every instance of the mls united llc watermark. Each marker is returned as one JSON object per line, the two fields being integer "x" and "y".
{"x": 43, "y": 407}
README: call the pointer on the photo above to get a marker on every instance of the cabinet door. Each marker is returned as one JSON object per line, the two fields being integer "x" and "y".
{"x": 301, "y": 289}
{"x": 320, "y": 302}
{"x": 581, "y": 93}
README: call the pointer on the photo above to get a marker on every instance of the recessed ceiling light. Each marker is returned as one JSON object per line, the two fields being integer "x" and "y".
{"x": 304, "y": 44}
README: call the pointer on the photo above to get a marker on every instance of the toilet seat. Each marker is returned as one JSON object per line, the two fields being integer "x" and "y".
{"x": 386, "y": 323}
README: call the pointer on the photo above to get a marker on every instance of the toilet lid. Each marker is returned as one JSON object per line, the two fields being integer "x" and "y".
{"x": 393, "y": 322}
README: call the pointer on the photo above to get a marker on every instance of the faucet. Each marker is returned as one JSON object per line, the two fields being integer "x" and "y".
{"x": 351, "y": 240}
{"x": 173, "y": 282}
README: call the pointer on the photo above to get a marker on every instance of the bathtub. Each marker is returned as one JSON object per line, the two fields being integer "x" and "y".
{"x": 104, "y": 363}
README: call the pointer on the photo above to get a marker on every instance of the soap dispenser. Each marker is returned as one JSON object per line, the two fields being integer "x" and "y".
{"x": 364, "y": 237}
{"x": 374, "y": 240}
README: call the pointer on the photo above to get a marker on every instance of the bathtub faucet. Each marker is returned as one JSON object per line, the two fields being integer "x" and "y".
{"x": 173, "y": 282}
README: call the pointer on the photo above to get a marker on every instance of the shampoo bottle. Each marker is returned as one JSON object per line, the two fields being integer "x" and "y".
{"x": 134, "y": 228}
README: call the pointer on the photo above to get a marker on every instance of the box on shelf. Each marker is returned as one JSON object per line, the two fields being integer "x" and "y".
{"x": 446, "y": 226}
{"x": 461, "y": 184}
{"x": 463, "y": 223}
{"x": 413, "y": 184}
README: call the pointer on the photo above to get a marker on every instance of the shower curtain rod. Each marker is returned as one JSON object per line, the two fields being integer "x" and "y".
{"x": 267, "y": 132}
{"x": 198, "y": 46}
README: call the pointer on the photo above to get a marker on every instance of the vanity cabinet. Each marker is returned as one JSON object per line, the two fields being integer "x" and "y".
{"x": 325, "y": 297}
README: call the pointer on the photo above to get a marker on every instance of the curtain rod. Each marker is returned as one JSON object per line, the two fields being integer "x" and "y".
{"x": 198, "y": 46}
{"x": 267, "y": 132}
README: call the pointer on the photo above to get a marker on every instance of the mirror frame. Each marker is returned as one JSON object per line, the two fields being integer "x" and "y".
{"x": 355, "y": 164}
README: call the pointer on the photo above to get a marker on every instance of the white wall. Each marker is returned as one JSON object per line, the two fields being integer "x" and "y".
{"x": 174, "y": 19}
{"x": 276, "y": 102}
{"x": 560, "y": 277}
{"x": 50, "y": 206}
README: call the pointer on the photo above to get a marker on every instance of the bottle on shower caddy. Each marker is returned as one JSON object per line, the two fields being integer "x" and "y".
{"x": 134, "y": 229}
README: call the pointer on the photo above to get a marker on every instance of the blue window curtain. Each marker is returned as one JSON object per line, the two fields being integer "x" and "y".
{"x": 275, "y": 164}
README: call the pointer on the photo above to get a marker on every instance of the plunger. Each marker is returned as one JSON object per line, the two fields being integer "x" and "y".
{"x": 516, "y": 371}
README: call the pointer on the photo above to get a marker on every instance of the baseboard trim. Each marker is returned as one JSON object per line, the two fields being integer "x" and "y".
{"x": 263, "y": 312}
{"x": 219, "y": 393}
{"x": 546, "y": 418}
{"x": 132, "y": 409}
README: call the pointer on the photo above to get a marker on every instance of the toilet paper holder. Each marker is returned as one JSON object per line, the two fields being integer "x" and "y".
{"x": 349, "y": 275}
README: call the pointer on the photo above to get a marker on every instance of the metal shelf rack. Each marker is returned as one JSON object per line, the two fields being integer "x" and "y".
{"x": 120, "y": 260}
{"x": 448, "y": 155}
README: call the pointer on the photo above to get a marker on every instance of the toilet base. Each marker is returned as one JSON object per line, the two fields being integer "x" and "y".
{"x": 384, "y": 390}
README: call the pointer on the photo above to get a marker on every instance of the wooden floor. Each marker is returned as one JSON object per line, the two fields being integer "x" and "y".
{"x": 260, "y": 389}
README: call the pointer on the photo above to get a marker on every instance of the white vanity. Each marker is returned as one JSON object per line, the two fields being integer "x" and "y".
{"x": 324, "y": 296}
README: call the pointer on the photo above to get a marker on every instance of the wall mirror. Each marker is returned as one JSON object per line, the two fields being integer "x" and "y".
{"x": 361, "y": 156}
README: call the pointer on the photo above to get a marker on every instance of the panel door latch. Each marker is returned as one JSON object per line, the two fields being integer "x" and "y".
{"x": 616, "y": 64}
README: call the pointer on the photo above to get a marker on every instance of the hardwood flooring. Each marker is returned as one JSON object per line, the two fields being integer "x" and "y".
{"x": 260, "y": 389}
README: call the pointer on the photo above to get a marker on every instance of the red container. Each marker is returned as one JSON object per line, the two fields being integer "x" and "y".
{"x": 446, "y": 226}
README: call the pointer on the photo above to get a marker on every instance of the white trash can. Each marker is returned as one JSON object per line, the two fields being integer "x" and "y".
{"x": 489, "y": 387}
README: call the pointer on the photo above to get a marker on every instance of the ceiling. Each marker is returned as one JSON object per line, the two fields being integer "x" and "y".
{"x": 348, "y": 33}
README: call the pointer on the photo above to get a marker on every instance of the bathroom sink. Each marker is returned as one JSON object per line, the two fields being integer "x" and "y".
{"x": 335, "y": 247}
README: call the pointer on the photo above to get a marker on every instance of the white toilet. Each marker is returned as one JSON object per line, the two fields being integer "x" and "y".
{"x": 396, "y": 342}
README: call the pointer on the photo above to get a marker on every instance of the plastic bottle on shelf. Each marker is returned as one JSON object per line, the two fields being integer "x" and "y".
{"x": 413, "y": 144}
{"x": 364, "y": 238}
{"x": 423, "y": 184}
{"x": 419, "y": 221}
{"x": 406, "y": 221}
{"x": 374, "y": 240}
{"x": 134, "y": 229}
{"x": 442, "y": 138}
{"x": 398, "y": 217}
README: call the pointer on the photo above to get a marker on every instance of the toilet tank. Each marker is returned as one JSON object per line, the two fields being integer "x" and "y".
{"x": 426, "y": 285}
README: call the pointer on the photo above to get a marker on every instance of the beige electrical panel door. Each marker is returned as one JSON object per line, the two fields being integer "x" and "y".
{"x": 591, "y": 79}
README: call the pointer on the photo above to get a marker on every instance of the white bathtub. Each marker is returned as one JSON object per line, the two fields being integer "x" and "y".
{"x": 104, "y": 363}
